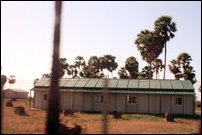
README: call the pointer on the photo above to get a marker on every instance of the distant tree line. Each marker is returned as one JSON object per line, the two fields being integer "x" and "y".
{"x": 95, "y": 67}
{"x": 150, "y": 44}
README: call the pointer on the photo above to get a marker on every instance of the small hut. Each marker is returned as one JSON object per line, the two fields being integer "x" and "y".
{"x": 15, "y": 93}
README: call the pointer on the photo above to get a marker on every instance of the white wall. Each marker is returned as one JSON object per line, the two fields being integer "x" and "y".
{"x": 146, "y": 103}
{"x": 143, "y": 103}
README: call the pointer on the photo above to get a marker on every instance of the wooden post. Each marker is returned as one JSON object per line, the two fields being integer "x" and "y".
{"x": 30, "y": 99}
{"x": 105, "y": 106}
{"x": 53, "y": 95}
{"x": 1, "y": 103}
{"x": 3, "y": 81}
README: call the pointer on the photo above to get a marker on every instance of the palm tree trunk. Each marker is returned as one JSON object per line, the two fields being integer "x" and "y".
{"x": 150, "y": 76}
{"x": 164, "y": 74}
{"x": 156, "y": 67}
{"x": 156, "y": 75}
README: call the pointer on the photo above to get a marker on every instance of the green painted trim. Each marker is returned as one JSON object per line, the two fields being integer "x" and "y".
{"x": 139, "y": 91}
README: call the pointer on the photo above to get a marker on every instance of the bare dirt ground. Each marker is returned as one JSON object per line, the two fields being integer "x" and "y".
{"x": 34, "y": 122}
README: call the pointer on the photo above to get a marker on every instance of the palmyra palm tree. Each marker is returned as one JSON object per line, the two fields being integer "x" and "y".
{"x": 156, "y": 66}
{"x": 150, "y": 46}
{"x": 165, "y": 28}
{"x": 131, "y": 64}
{"x": 80, "y": 62}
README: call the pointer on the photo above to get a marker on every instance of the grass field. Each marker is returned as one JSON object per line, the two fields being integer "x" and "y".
{"x": 34, "y": 122}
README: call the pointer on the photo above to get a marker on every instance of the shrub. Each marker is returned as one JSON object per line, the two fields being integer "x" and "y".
{"x": 117, "y": 115}
{"x": 68, "y": 112}
{"x": 198, "y": 103}
{"x": 19, "y": 110}
{"x": 77, "y": 129}
{"x": 9, "y": 103}
{"x": 169, "y": 117}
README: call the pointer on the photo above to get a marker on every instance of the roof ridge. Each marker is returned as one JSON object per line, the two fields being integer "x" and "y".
{"x": 16, "y": 90}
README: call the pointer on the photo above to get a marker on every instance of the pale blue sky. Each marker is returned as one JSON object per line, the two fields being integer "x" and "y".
{"x": 91, "y": 28}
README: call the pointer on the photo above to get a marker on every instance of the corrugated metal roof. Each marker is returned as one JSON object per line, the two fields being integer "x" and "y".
{"x": 91, "y": 83}
{"x": 133, "y": 84}
{"x": 71, "y": 83}
{"x": 176, "y": 84}
{"x": 165, "y": 84}
{"x": 112, "y": 83}
{"x": 63, "y": 81}
{"x": 187, "y": 84}
{"x": 154, "y": 84}
{"x": 124, "y": 85}
{"x": 144, "y": 84}
{"x": 81, "y": 83}
{"x": 47, "y": 83}
{"x": 16, "y": 90}
{"x": 100, "y": 83}
{"x": 42, "y": 82}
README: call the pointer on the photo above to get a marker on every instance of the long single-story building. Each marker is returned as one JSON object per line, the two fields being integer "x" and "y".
{"x": 15, "y": 93}
{"x": 125, "y": 95}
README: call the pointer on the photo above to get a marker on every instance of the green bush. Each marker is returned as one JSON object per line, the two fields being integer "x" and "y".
{"x": 141, "y": 116}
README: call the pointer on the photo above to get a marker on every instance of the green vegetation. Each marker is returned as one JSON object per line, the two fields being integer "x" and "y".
{"x": 150, "y": 44}
{"x": 181, "y": 68}
{"x": 142, "y": 117}
{"x": 165, "y": 28}
{"x": 130, "y": 70}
